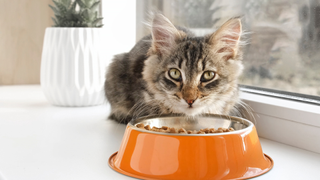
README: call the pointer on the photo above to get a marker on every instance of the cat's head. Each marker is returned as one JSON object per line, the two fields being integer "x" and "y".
{"x": 194, "y": 75}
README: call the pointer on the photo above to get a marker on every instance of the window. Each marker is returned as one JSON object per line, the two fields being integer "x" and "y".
{"x": 283, "y": 41}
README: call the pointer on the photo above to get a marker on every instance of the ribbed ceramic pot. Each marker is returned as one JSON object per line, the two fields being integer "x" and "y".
{"x": 73, "y": 66}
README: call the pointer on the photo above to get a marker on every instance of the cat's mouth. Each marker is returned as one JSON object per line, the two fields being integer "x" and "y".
{"x": 188, "y": 109}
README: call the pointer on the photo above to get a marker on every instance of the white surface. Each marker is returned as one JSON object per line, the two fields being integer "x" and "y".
{"x": 2, "y": 177}
{"x": 286, "y": 121}
{"x": 39, "y": 141}
{"x": 73, "y": 66}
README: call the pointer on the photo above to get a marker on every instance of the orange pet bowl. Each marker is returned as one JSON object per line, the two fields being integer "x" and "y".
{"x": 154, "y": 155}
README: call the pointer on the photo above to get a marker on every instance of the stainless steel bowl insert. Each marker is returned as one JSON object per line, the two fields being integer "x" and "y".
{"x": 194, "y": 123}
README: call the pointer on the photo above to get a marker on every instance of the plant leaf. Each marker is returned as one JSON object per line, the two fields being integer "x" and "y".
{"x": 60, "y": 7}
{"x": 89, "y": 3}
{"x": 66, "y": 3}
{"x": 94, "y": 23}
{"x": 54, "y": 9}
{"x": 55, "y": 21}
{"x": 81, "y": 4}
{"x": 94, "y": 6}
{"x": 73, "y": 7}
{"x": 99, "y": 26}
{"x": 60, "y": 18}
{"x": 91, "y": 17}
{"x": 85, "y": 14}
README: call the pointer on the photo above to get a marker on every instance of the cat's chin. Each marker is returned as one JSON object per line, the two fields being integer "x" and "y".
{"x": 190, "y": 111}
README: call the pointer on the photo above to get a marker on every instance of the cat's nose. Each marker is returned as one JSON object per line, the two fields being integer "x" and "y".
{"x": 190, "y": 101}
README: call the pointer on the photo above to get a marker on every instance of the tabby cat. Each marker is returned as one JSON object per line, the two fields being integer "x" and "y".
{"x": 173, "y": 72}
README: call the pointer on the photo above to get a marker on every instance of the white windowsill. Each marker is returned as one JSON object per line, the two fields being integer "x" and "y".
{"x": 40, "y": 141}
{"x": 289, "y": 122}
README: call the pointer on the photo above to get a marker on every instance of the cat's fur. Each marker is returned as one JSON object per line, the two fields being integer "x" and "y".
{"x": 138, "y": 82}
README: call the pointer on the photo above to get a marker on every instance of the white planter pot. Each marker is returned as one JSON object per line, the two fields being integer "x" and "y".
{"x": 73, "y": 66}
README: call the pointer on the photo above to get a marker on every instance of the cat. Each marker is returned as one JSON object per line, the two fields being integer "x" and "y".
{"x": 171, "y": 71}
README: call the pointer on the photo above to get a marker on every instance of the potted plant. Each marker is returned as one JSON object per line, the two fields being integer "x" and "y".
{"x": 73, "y": 60}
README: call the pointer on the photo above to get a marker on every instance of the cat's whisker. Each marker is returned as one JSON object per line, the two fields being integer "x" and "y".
{"x": 249, "y": 111}
{"x": 137, "y": 112}
{"x": 135, "y": 107}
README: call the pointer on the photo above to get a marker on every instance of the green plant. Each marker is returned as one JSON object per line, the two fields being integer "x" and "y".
{"x": 76, "y": 13}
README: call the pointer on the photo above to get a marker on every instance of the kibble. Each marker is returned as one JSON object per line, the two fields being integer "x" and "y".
{"x": 182, "y": 131}
{"x": 211, "y": 130}
{"x": 140, "y": 126}
{"x": 155, "y": 129}
{"x": 218, "y": 131}
{"x": 147, "y": 127}
{"x": 200, "y": 132}
{"x": 172, "y": 130}
{"x": 166, "y": 129}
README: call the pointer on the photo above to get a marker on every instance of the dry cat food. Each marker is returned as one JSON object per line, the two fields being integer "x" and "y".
{"x": 167, "y": 129}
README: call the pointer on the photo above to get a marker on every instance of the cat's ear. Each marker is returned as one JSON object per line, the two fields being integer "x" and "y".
{"x": 164, "y": 35}
{"x": 226, "y": 39}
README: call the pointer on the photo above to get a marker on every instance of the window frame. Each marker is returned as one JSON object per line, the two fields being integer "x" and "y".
{"x": 286, "y": 121}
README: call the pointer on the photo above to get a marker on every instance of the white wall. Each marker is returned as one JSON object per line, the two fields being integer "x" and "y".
{"x": 119, "y": 25}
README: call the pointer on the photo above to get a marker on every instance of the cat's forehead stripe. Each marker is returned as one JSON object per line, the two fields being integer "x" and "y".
{"x": 193, "y": 53}
{"x": 176, "y": 60}
{"x": 180, "y": 62}
{"x": 186, "y": 51}
{"x": 204, "y": 63}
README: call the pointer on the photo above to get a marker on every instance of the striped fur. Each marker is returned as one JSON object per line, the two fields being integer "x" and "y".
{"x": 138, "y": 82}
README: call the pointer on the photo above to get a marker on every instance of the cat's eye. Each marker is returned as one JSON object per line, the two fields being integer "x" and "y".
{"x": 175, "y": 74}
{"x": 207, "y": 76}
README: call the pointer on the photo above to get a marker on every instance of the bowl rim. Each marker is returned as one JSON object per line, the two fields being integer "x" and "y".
{"x": 226, "y": 117}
